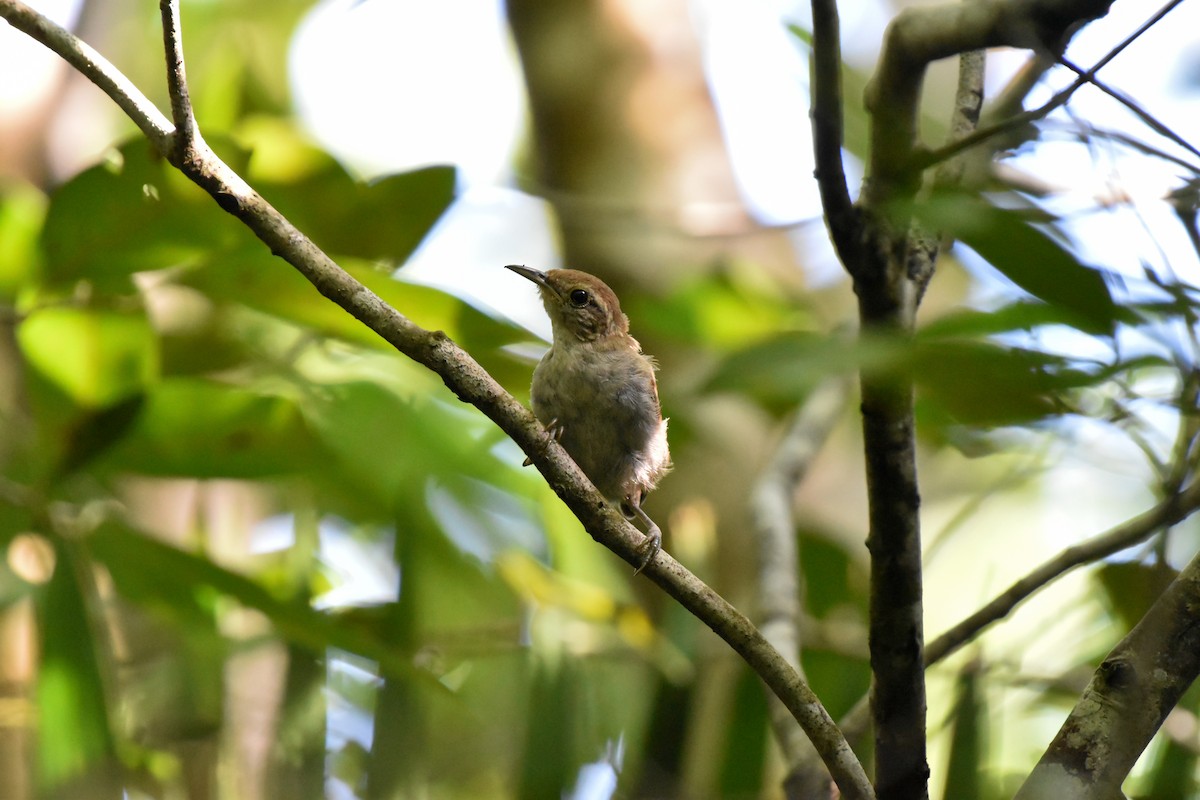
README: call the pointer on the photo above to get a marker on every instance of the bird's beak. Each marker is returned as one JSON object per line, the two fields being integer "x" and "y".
{"x": 537, "y": 276}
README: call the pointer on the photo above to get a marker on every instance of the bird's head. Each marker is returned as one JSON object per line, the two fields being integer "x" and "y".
{"x": 581, "y": 306}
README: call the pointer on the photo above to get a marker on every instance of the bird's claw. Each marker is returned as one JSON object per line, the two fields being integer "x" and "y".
{"x": 552, "y": 432}
{"x": 653, "y": 543}
{"x": 649, "y": 548}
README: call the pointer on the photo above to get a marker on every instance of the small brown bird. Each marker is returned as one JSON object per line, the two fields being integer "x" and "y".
{"x": 595, "y": 392}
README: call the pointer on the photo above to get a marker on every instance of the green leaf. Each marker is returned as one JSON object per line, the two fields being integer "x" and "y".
{"x": 833, "y": 579}
{"x": 214, "y": 340}
{"x": 22, "y": 211}
{"x": 550, "y": 739}
{"x": 745, "y": 739}
{"x": 73, "y": 726}
{"x": 207, "y": 429}
{"x": 978, "y": 383}
{"x": 717, "y": 311}
{"x": 384, "y": 220}
{"x": 96, "y": 432}
{"x": 972, "y": 382}
{"x": 802, "y": 34}
{"x": 839, "y": 680}
{"x": 1027, "y": 255}
{"x": 781, "y": 370}
{"x": 388, "y": 447}
{"x": 95, "y": 357}
{"x": 1172, "y": 768}
{"x": 1131, "y": 588}
{"x": 831, "y": 576}
{"x": 253, "y": 277}
{"x": 1019, "y": 316}
{"x": 131, "y": 213}
{"x": 968, "y": 732}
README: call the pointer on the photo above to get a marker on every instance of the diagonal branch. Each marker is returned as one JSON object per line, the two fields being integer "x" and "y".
{"x": 1178, "y": 503}
{"x": 1167, "y": 513}
{"x": 1129, "y": 696}
{"x": 1133, "y": 143}
{"x": 1145, "y": 116}
{"x": 469, "y": 382}
{"x": 1171, "y": 511}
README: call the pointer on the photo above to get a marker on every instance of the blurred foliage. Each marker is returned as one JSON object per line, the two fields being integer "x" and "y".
{"x": 160, "y": 355}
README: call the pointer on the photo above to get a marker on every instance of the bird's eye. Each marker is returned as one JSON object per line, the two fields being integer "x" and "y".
{"x": 579, "y": 298}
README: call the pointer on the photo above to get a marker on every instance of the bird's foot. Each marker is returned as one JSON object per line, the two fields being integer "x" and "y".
{"x": 653, "y": 543}
{"x": 649, "y": 548}
{"x": 552, "y": 431}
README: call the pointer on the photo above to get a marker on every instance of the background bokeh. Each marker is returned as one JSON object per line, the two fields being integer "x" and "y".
{"x": 251, "y": 552}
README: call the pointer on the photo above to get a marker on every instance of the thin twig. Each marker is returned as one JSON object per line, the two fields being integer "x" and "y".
{"x": 1145, "y": 116}
{"x": 827, "y": 126}
{"x": 1132, "y": 142}
{"x": 177, "y": 87}
{"x": 1170, "y": 511}
{"x": 1010, "y": 100}
{"x": 1138, "y": 529}
{"x": 472, "y": 384}
{"x": 982, "y": 135}
{"x": 1133, "y": 37}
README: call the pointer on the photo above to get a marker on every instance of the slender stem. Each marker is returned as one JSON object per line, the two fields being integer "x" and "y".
{"x": 1133, "y": 143}
{"x": 1171, "y": 511}
{"x": 827, "y": 125}
{"x": 888, "y": 289}
{"x": 1127, "y": 101}
{"x": 177, "y": 88}
{"x": 1133, "y": 37}
{"x": 1167, "y": 513}
{"x": 896, "y": 632}
{"x": 978, "y": 137}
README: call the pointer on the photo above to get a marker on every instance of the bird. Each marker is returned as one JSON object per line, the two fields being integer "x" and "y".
{"x": 595, "y": 392}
